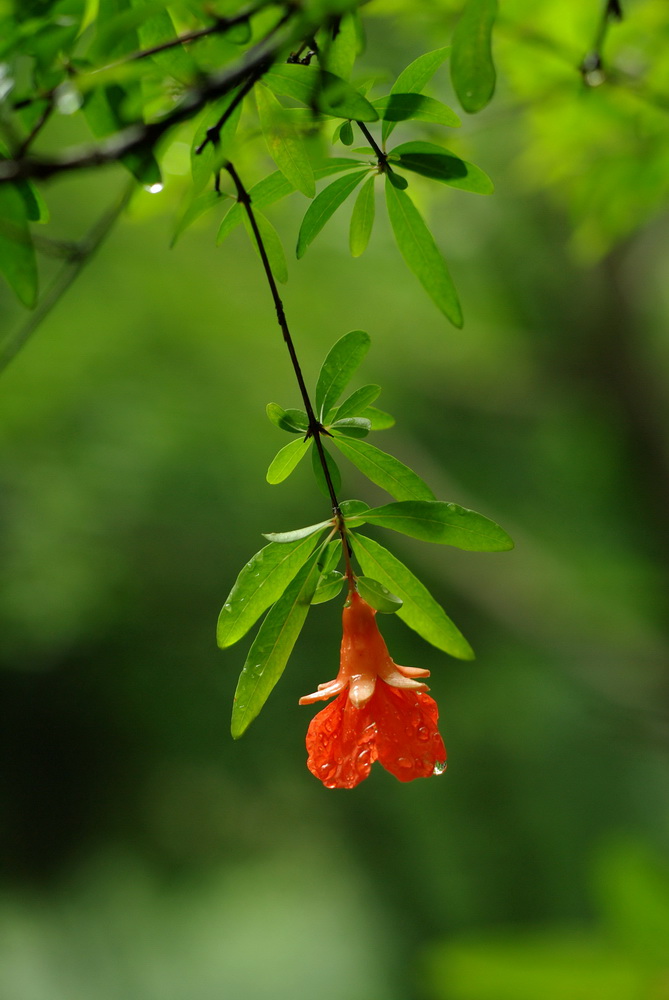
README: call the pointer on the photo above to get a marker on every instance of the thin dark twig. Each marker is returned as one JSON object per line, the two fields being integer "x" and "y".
{"x": 220, "y": 26}
{"x": 591, "y": 65}
{"x": 315, "y": 427}
{"x": 213, "y": 134}
{"x": 258, "y": 70}
{"x": 144, "y": 136}
{"x": 68, "y": 273}
{"x": 380, "y": 155}
{"x": 37, "y": 128}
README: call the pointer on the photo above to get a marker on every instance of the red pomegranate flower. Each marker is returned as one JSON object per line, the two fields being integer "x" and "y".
{"x": 381, "y": 712}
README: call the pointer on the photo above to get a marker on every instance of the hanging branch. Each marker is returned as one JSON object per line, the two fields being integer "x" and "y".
{"x": 316, "y": 429}
{"x": 143, "y": 137}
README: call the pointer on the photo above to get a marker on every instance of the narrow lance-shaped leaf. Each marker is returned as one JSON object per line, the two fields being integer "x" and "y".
{"x": 440, "y": 522}
{"x": 158, "y": 28}
{"x": 316, "y": 87}
{"x": 356, "y": 427}
{"x": 272, "y": 647}
{"x": 384, "y": 470}
{"x": 286, "y": 460}
{"x": 338, "y": 368}
{"x": 377, "y": 595}
{"x": 271, "y": 242}
{"x": 472, "y": 68}
{"x": 362, "y": 219}
{"x": 419, "y": 609}
{"x": 283, "y": 537}
{"x": 351, "y": 508}
{"x": 17, "y": 254}
{"x": 418, "y": 107}
{"x": 259, "y": 584}
{"x": 275, "y": 186}
{"x": 417, "y": 246}
{"x": 379, "y": 419}
{"x": 412, "y": 79}
{"x": 324, "y": 206}
{"x": 433, "y": 161}
{"x": 329, "y": 587}
{"x": 331, "y": 556}
{"x": 197, "y": 207}
{"x": 291, "y": 420}
{"x": 284, "y": 142}
{"x": 341, "y": 51}
{"x": 357, "y": 401}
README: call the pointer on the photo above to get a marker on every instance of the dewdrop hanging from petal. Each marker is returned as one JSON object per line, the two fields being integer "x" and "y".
{"x": 381, "y": 711}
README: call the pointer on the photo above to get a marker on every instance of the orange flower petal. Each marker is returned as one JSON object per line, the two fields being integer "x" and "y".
{"x": 340, "y": 744}
{"x": 408, "y": 743}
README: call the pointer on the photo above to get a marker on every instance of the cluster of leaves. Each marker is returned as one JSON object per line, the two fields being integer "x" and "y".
{"x": 133, "y": 71}
{"x": 282, "y": 74}
{"x": 299, "y": 568}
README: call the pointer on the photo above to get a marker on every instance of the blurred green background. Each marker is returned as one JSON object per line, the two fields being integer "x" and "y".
{"x": 145, "y": 855}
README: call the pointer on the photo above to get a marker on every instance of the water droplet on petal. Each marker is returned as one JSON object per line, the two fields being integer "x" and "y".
{"x": 423, "y": 733}
{"x": 440, "y": 767}
{"x": 404, "y": 763}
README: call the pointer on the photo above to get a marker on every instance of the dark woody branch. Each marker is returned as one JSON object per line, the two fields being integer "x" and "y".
{"x": 143, "y": 137}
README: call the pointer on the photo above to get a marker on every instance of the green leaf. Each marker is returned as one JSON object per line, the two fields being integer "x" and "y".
{"x": 318, "y": 88}
{"x": 159, "y": 28}
{"x": 379, "y": 419}
{"x": 260, "y": 583}
{"x": 292, "y": 536}
{"x": 272, "y": 243}
{"x": 333, "y": 469}
{"x": 275, "y": 186}
{"x": 356, "y": 427}
{"x": 362, "y": 219}
{"x": 342, "y": 50}
{"x": 272, "y": 647}
{"x": 419, "y": 73}
{"x": 36, "y": 208}
{"x": 377, "y": 595}
{"x": 329, "y": 586}
{"x": 417, "y": 107}
{"x": 346, "y": 133}
{"x": 419, "y": 609}
{"x": 17, "y": 254}
{"x": 330, "y": 556}
{"x": 324, "y": 206}
{"x": 432, "y": 161}
{"x": 472, "y": 68}
{"x": 397, "y": 181}
{"x": 385, "y": 470}
{"x": 197, "y": 207}
{"x": 284, "y": 141}
{"x": 357, "y": 402}
{"x": 103, "y": 110}
{"x": 338, "y": 368}
{"x": 351, "y": 508}
{"x": 294, "y": 421}
{"x": 417, "y": 246}
{"x": 440, "y": 522}
{"x": 286, "y": 460}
